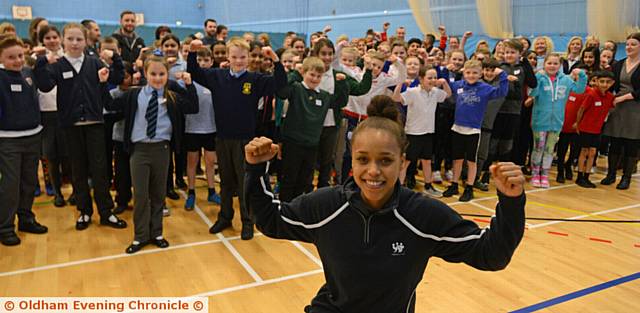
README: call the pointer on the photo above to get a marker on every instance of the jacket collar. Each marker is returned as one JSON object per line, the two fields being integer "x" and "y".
{"x": 352, "y": 193}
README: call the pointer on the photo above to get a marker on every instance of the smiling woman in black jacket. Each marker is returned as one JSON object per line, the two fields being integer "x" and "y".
{"x": 375, "y": 237}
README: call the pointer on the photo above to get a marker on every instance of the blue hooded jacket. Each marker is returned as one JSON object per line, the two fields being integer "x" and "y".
{"x": 550, "y": 98}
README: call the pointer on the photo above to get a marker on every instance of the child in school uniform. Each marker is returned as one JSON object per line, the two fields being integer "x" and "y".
{"x": 569, "y": 136}
{"x": 488, "y": 121}
{"x": 591, "y": 116}
{"x": 80, "y": 115}
{"x": 122, "y": 170}
{"x": 235, "y": 93}
{"x": 445, "y": 114}
{"x": 302, "y": 128}
{"x": 54, "y": 145}
{"x": 421, "y": 103}
{"x": 152, "y": 114}
{"x": 356, "y": 108}
{"x": 550, "y": 97}
{"x": 471, "y": 102}
{"x": 200, "y": 133}
{"x": 19, "y": 144}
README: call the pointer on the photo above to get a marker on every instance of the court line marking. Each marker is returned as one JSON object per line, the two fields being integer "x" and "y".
{"x": 491, "y": 210}
{"x": 578, "y": 294}
{"x": 256, "y": 284}
{"x": 586, "y": 215}
{"x": 110, "y": 257}
{"x": 226, "y": 243}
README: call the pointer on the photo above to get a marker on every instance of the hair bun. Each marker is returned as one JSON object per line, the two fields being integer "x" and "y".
{"x": 383, "y": 106}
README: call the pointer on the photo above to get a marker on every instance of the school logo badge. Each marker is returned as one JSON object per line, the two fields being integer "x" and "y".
{"x": 398, "y": 248}
{"x": 246, "y": 88}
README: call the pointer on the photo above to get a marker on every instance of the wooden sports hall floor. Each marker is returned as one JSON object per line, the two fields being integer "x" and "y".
{"x": 559, "y": 266}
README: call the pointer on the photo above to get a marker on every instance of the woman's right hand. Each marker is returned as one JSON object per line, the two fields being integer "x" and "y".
{"x": 260, "y": 150}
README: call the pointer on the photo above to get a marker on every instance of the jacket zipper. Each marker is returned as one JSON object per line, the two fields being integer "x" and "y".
{"x": 367, "y": 221}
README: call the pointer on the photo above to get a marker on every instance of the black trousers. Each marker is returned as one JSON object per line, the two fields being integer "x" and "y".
{"x": 297, "y": 166}
{"x": 523, "y": 139}
{"x": 326, "y": 154}
{"x": 231, "y": 167}
{"x": 566, "y": 141}
{"x": 444, "y": 122}
{"x": 109, "y": 120}
{"x": 87, "y": 156}
{"x": 19, "y": 168}
{"x": 122, "y": 177}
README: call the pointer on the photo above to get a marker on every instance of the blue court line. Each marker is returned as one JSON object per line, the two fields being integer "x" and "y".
{"x": 578, "y": 294}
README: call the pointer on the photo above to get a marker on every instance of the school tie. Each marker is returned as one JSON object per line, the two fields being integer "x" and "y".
{"x": 152, "y": 115}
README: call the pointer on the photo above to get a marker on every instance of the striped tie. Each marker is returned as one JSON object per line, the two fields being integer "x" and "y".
{"x": 152, "y": 115}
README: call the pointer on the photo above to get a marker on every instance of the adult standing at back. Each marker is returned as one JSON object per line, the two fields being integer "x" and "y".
{"x": 210, "y": 31}
{"x": 129, "y": 42}
{"x": 93, "y": 36}
{"x": 622, "y": 124}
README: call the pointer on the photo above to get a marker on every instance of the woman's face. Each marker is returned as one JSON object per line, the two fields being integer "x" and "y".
{"x": 540, "y": 47}
{"x": 633, "y": 47}
{"x": 575, "y": 46}
{"x": 377, "y": 160}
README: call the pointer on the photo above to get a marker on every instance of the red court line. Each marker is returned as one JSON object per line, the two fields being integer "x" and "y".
{"x": 481, "y": 220}
{"x": 637, "y": 245}
{"x": 600, "y": 240}
{"x": 557, "y": 233}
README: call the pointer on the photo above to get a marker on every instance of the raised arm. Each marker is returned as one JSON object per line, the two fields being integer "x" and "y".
{"x": 397, "y": 96}
{"x": 275, "y": 219}
{"x": 362, "y": 87}
{"x": 490, "y": 248}
{"x": 44, "y": 74}
{"x": 503, "y": 88}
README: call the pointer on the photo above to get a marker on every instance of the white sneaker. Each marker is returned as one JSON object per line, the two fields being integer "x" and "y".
{"x": 166, "y": 212}
{"x": 432, "y": 192}
{"x": 436, "y": 177}
{"x": 448, "y": 176}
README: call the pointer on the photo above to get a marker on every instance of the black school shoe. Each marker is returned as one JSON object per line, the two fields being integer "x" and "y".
{"x": 467, "y": 195}
{"x": 133, "y": 248}
{"x": 59, "y": 201}
{"x": 9, "y": 239}
{"x": 247, "y": 232}
{"x": 117, "y": 224}
{"x": 452, "y": 190}
{"x": 32, "y": 227}
{"x": 173, "y": 195}
{"x": 219, "y": 226}
{"x": 161, "y": 243}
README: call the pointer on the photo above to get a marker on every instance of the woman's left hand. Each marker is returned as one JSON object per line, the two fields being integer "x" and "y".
{"x": 508, "y": 178}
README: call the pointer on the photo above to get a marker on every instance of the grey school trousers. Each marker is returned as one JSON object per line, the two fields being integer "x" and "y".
{"x": 18, "y": 169}
{"x": 231, "y": 166}
{"x": 149, "y": 165}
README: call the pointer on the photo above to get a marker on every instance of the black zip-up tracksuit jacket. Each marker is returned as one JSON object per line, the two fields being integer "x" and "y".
{"x": 374, "y": 260}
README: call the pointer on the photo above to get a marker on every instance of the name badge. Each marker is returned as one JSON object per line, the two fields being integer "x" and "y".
{"x": 516, "y": 72}
{"x": 547, "y": 88}
{"x": 572, "y": 98}
{"x": 162, "y": 100}
{"x": 16, "y": 88}
{"x": 319, "y": 102}
{"x": 460, "y": 90}
{"x": 452, "y": 79}
{"x": 598, "y": 103}
{"x": 67, "y": 75}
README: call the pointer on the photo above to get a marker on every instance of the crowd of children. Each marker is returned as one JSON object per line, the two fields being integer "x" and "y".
{"x": 110, "y": 112}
